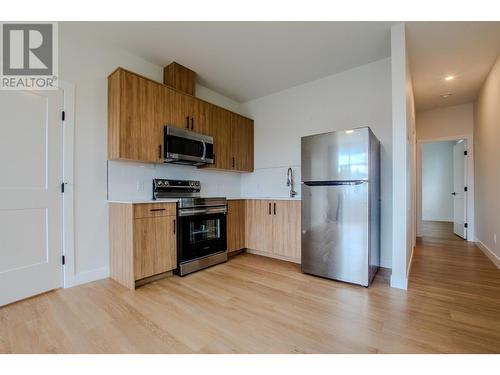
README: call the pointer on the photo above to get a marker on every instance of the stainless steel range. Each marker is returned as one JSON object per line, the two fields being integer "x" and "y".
{"x": 201, "y": 224}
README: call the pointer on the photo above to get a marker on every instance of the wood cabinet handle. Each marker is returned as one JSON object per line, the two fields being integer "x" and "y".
{"x": 160, "y": 156}
{"x": 269, "y": 208}
{"x": 233, "y": 161}
{"x": 187, "y": 122}
{"x": 192, "y": 123}
{"x": 174, "y": 226}
{"x": 156, "y": 209}
{"x": 275, "y": 208}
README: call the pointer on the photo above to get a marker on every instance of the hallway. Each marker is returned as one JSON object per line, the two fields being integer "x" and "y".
{"x": 460, "y": 282}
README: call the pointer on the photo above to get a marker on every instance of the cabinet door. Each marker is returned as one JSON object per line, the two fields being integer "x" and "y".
{"x": 140, "y": 118}
{"x": 286, "y": 228}
{"x": 235, "y": 225}
{"x": 155, "y": 246}
{"x": 220, "y": 130}
{"x": 201, "y": 115}
{"x": 178, "y": 105}
{"x": 242, "y": 143}
{"x": 259, "y": 220}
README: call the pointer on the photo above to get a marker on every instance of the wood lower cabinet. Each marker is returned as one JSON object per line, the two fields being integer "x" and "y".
{"x": 259, "y": 221}
{"x": 235, "y": 225}
{"x": 154, "y": 240}
{"x": 286, "y": 229}
{"x": 273, "y": 228}
{"x": 142, "y": 242}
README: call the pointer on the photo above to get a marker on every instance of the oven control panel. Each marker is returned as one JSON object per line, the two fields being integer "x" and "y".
{"x": 164, "y": 188}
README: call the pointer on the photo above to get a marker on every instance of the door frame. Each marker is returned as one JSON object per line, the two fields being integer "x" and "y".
{"x": 68, "y": 228}
{"x": 471, "y": 236}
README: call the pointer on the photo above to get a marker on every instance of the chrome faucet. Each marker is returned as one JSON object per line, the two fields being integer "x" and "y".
{"x": 289, "y": 182}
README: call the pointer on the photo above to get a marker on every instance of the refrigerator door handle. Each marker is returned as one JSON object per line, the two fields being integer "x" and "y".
{"x": 334, "y": 183}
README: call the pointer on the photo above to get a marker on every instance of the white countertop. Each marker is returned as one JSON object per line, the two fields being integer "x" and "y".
{"x": 266, "y": 198}
{"x": 170, "y": 200}
{"x": 174, "y": 200}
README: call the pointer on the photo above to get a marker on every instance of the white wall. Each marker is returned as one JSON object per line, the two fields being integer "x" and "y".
{"x": 403, "y": 139}
{"x": 354, "y": 98}
{"x": 445, "y": 122}
{"x": 437, "y": 181}
{"x": 487, "y": 170}
{"x": 87, "y": 63}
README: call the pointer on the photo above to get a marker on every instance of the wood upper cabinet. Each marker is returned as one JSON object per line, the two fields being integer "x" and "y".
{"x": 142, "y": 242}
{"x": 233, "y": 140}
{"x": 139, "y": 109}
{"x": 242, "y": 143}
{"x": 221, "y": 132}
{"x": 188, "y": 112}
{"x": 154, "y": 240}
{"x": 273, "y": 227}
{"x": 235, "y": 225}
{"x": 135, "y": 117}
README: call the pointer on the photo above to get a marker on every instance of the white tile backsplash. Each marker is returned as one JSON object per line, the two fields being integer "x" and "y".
{"x": 133, "y": 181}
{"x": 269, "y": 182}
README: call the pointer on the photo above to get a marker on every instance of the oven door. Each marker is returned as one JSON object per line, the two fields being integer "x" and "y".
{"x": 186, "y": 147}
{"x": 201, "y": 233}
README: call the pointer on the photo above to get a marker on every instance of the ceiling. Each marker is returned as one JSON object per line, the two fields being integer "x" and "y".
{"x": 248, "y": 60}
{"x": 466, "y": 50}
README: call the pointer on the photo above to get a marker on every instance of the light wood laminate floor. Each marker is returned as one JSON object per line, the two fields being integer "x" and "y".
{"x": 253, "y": 304}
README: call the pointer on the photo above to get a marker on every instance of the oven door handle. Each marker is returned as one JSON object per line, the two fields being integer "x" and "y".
{"x": 202, "y": 211}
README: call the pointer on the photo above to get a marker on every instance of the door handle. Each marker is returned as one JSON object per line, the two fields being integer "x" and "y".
{"x": 275, "y": 208}
{"x": 269, "y": 208}
{"x": 174, "y": 225}
{"x": 192, "y": 123}
{"x": 187, "y": 122}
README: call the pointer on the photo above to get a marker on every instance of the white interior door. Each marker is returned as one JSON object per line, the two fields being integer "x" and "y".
{"x": 30, "y": 197}
{"x": 459, "y": 194}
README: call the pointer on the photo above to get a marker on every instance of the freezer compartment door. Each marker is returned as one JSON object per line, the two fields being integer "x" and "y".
{"x": 335, "y": 231}
{"x": 335, "y": 156}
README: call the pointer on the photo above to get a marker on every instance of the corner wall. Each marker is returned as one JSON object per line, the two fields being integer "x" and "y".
{"x": 487, "y": 170}
{"x": 404, "y": 159}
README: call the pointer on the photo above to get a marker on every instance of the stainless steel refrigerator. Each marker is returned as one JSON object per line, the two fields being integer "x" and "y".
{"x": 341, "y": 205}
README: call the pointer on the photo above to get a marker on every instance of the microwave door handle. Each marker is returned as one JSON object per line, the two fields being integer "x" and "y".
{"x": 204, "y": 150}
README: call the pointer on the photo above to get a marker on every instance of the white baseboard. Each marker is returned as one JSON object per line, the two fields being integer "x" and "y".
{"x": 88, "y": 276}
{"x": 489, "y": 253}
{"x": 275, "y": 256}
{"x": 399, "y": 282}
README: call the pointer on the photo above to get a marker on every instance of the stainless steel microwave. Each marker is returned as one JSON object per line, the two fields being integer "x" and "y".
{"x": 187, "y": 147}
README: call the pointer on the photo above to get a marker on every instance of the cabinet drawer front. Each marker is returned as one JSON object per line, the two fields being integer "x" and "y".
{"x": 154, "y": 210}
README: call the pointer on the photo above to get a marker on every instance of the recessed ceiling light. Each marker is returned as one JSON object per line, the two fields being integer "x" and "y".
{"x": 446, "y": 95}
{"x": 449, "y": 78}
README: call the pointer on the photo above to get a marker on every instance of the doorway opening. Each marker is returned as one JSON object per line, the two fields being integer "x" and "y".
{"x": 445, "y": 189}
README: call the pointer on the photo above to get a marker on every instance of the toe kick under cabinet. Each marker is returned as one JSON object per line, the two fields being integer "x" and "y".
{"x": 142, "y": 242}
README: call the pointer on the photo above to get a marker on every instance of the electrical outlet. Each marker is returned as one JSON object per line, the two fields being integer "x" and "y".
{"x": 140, "y": 185}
